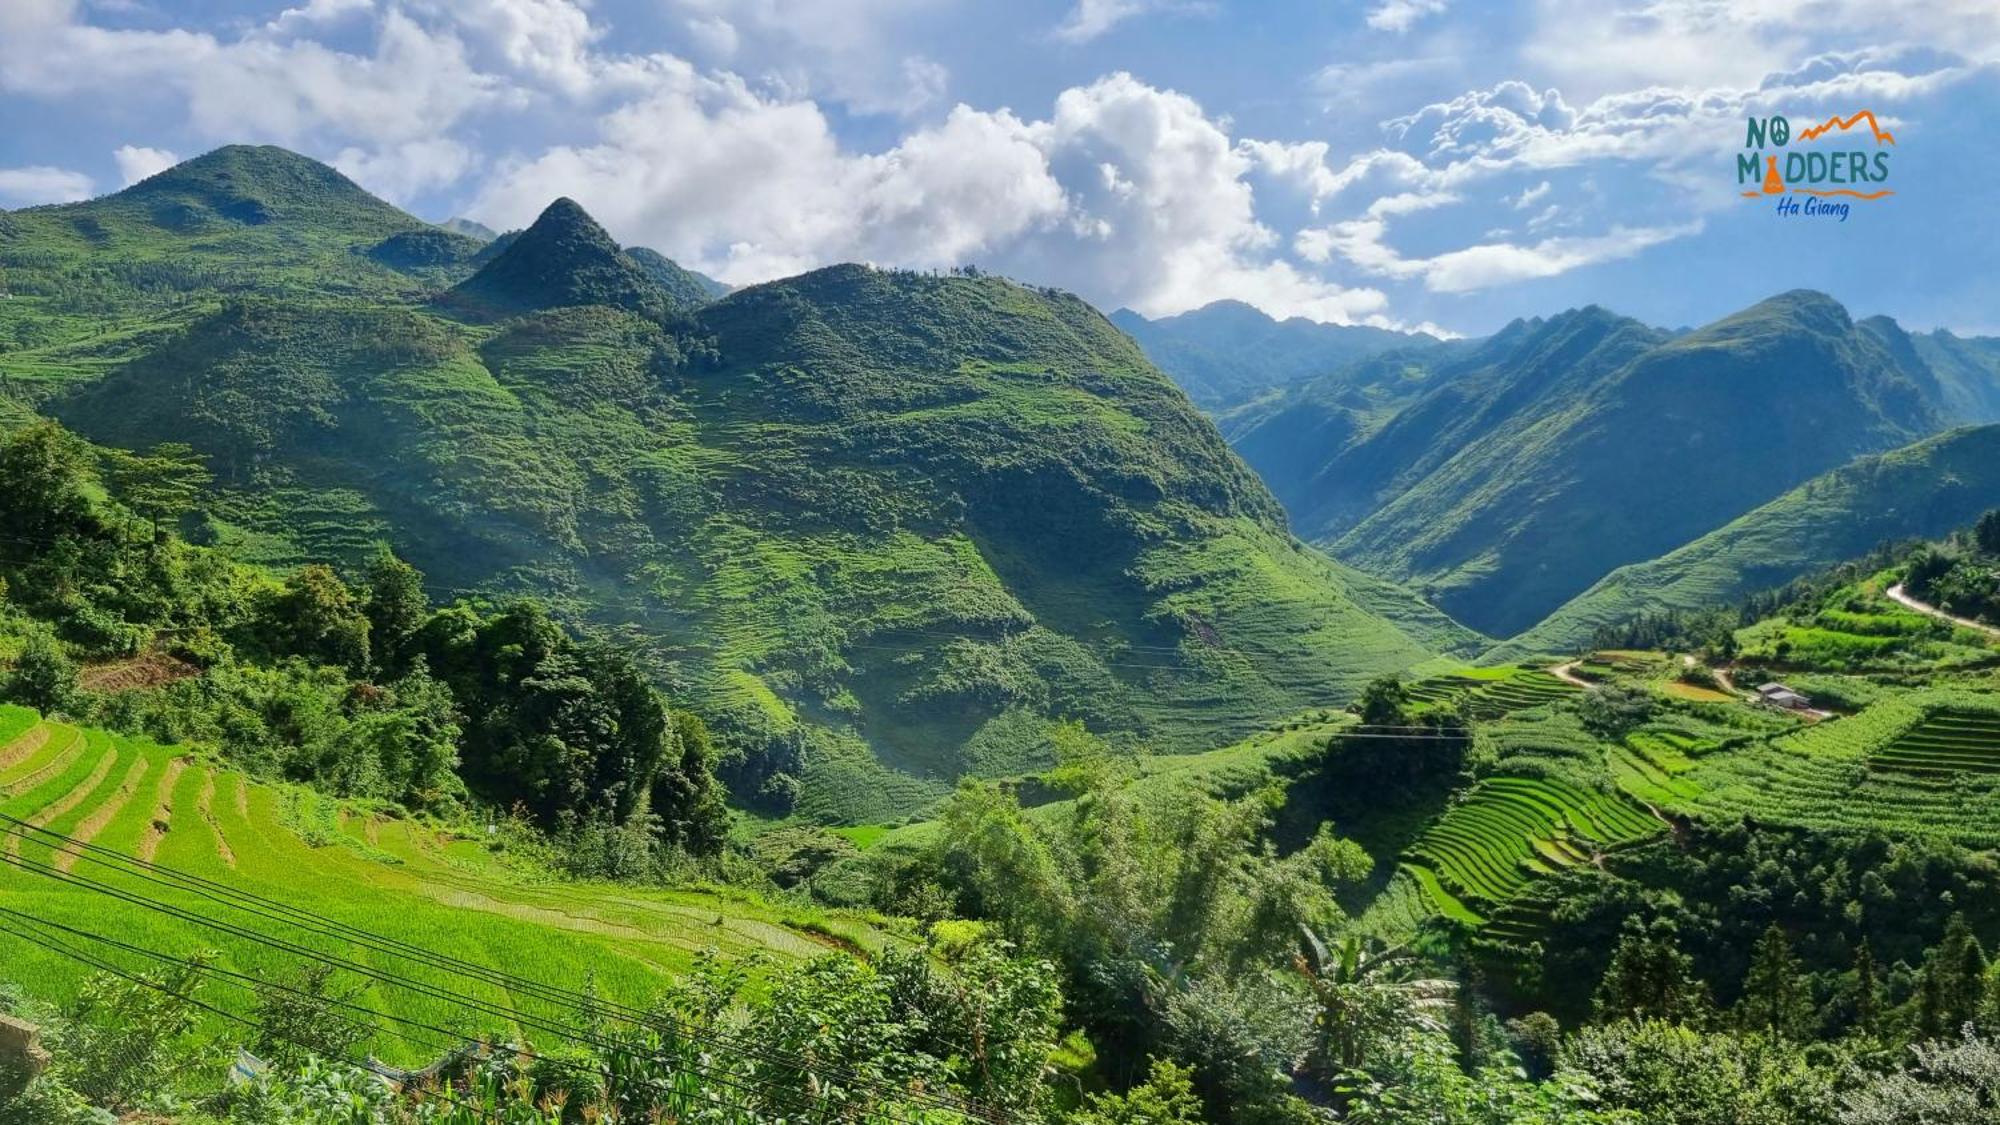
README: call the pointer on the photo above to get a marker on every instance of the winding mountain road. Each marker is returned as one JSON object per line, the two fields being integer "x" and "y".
{"x": 1567, "y": 674}
{"x": 1897, "y": 595}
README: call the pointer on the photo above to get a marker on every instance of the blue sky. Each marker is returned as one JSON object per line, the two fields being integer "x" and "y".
{"x": 1401, "y": 162}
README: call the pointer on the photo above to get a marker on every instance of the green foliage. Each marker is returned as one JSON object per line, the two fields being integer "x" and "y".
{"x": 43, "y": 676}
{"x": 1650, "y": 978}
{"x": 1775, "y": 1000}
{"x": 1663, "y": 1073}
{"x": 162, "y": 485}
{"x": 1383, "y": 702}
{"x": 563, "y": 727}
{"x": 1166, "y": 1097}
{"x": 316, "y": 617}
{"x": 1955, "y": 1080}
{"x": 299, "y": 1017}
{"x": 120, "y": 1041}
{"x": 396, "y": 607}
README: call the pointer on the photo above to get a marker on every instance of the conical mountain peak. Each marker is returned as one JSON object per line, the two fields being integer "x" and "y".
{"x": 565, "y": 258}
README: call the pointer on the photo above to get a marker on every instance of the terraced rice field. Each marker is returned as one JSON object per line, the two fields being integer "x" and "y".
{"x": 1883, "y": 769}
{"x": 396, "y": 878}
{"x": 1652, "y": 765}
{"x": 1512, "y": 829}
{"x": 1489, "y": 696}
{"x": 1945, "y": 742}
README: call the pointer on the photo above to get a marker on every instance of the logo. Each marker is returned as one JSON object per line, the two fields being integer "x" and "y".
{"x": 1814, "y": 181}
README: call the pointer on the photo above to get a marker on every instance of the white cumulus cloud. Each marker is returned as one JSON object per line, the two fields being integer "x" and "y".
{"x": 136, "y": 162}
{"x": 26, "y": 187}
{"x": 1127, "y": 193}
{"x": 1401, "y": 15}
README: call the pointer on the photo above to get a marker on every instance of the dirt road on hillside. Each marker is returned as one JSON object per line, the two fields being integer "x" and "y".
{"x": 1897, "y": 595}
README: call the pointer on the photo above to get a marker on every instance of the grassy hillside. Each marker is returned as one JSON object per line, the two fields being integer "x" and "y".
{"x": 392, "y": 876}
{"x": 1921, "y": 491}
{"x": 1227, "y": 352}
{"x": 880, "y": 528}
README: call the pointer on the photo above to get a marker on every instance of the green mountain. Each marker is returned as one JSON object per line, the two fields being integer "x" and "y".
{"x": 685, "y": 286}
{"x": 1541, "y": 459}
{"x": 471, "y": 228}
{"x": 563, "y": 260}
{"x": 1920, "y": 491}
{"x": 1967, "y": 371}
{"x": 1228, "y": 352}
{"x": 1406, "y": 414}
{"x": 882, "y": 529}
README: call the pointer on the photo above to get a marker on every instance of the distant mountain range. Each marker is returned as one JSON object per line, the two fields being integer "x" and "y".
{"x": 1226, "y": 353}
{"x": 1503, "y": 477}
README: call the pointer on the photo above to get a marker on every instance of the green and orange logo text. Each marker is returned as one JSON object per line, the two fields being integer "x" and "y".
{"x": 1820, "y": 173}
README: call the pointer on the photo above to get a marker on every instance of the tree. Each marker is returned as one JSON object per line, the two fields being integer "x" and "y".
{"x": 1650, "y": 978}
{"x": 1986, "y": 533}
{"x": 1775, "y": 1000}
{"x": 299, "y": 1018}
{"x": 1952, "y": 984}
{"x": 314, "y": 615}
{"x": 162, "y": 485}
{"x": 1613, "y": 709}
{"x": 1927, "y": 565}
{"x": 686, "y": 798}
{"x": 44, "y": 677}
{"x": 1383, "y": 702}
{"x": 395, "y": 606}
{"x": 1867, "y": 992}
{"x": 567, "y": 728}
{"x": 1951, "y": 1080}
{"x": 45, "y": 475}
{"x": 121, "y": 1039}
{"x": 1166, "y": 1097}
{"x": 1365, "y": 996}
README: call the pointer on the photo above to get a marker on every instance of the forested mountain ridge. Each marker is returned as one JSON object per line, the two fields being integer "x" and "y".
{"x": 881, "y": 528}
{"x": 1532, "y": 463}
{"x": 564, "y": 259}
{"x": 1921, "y": 491}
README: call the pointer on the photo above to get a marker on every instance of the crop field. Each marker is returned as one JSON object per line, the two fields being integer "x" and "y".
{"x": 394, "y": 878}
{"x": 1945, "y": 742}
{"x": 1885, "y": 768}
{"x": 1512, "y": 829}
{"x": 1487, "y": 692}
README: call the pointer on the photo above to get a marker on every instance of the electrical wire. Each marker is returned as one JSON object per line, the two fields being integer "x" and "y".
{"x": 547, "y": 993}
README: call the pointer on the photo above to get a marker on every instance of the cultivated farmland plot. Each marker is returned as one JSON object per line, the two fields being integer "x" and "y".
{"x": 1486, "y": 695}
{"x": 1509, "y": 830}
{"x": 1923, "y": 763}
{"x": 396, "y": 878}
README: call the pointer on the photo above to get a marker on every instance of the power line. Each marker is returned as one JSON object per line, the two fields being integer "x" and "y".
{"x": 253, "y": 983}
{"x": 55, "y": 945}
{"x": 560, "y": 1031}
{"x": 263, "y": 908}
